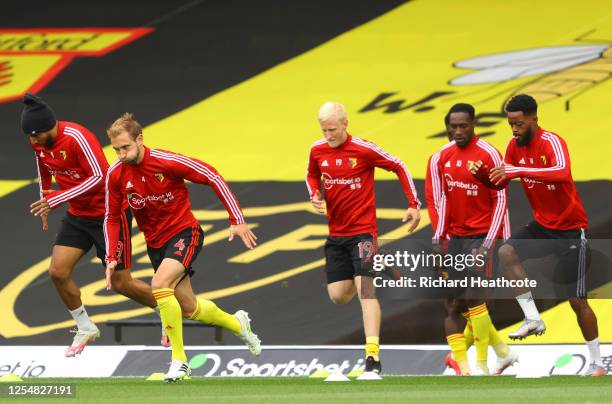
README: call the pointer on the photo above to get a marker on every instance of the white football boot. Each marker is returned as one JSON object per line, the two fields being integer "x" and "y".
{"x": 246, "y": 335}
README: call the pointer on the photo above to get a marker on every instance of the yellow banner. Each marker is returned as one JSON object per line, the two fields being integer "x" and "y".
{"x": 31, "y": 58}
{"x": 75, "y": 42}
{"x": 400, "y": 73}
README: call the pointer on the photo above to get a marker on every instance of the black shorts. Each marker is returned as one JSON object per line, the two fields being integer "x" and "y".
{"x": 183, "y": 247}
{"x": 349, "y": 256}
{"x": 462, "y": 246}
{"x": 83, "y": 233}
{"x": 570, "y": 246}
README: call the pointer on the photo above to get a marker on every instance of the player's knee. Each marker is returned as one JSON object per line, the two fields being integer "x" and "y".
{"x": 120, "y": 286}
{"x": 187, "y": 308}
{"x": 340, "y": 298}
{"x": 579, "y": 304}
{"x": 506, "y": 253}
{"x": 58, "y": 274}
{"x": 453, "y": 311}
{"x": 157, "y": 283}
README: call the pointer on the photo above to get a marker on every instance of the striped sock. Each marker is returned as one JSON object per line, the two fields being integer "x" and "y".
{"x": 172, "y": 320}
{"x": 456, "y": 342}
{"x": 481, "y": 324}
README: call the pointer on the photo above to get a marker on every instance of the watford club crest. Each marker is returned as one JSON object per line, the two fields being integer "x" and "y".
{"x": 543, "y": 158}
{"x": 353, "y": 162}
{"x": 159, "y": 177}
{"x": 63, "y": 154}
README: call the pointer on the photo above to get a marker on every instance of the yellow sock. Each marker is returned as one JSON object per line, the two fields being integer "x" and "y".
{"x": 481, "y": 324}
{"x": 468, "y": 333}
{"x": 372, "y": 347}
{"x": 208, "y": 313}
{"x": 499, "y": 346}
{"x": 172, "y": 320}
{"x": 457, "y": 346}
{"x": 483, "y": 366}
{"x": 456, "y": 342}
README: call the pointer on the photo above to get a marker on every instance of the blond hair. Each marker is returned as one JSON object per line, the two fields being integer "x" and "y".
{"x": 125, "y": 123}
{"x": 332, "y": 109}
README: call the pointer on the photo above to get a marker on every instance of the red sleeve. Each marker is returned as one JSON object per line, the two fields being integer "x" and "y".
{"x": 91, "y": 163}
{"x": 313, "y": 176}
{"x": 559, "y": 171}
{"x": 442, "y": 209}
{"x": 114, "y": 207}
{"x": 482, "y": 174}
{"x": 500, "y": 200}
{"x": 430, "y": 200}
{"x": 200, "y": 172}
{"x": 380, "y": 158}
{"x": 44, "y": 177}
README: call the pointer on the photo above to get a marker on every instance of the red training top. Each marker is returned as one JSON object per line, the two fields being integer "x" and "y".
{"x": 77, "y": 162}
{"x": 156, "y": 192}
{"x": 467, "y": 206}
{"x": 544, "y": 168}
{"x": 347, "y": 175}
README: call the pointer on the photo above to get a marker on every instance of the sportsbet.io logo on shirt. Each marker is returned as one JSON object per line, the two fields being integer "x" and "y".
{"x": 137, "y": 201}
{"x": 329, "y": 182}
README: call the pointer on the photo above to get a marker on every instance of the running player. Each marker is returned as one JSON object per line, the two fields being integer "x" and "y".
{"x": 344, "y": 165}
{"x": 153, "y": 184}
{"x": 541, "y": 160}
{"x": 474, "y": 217}
{"x": 505, "y": 356}
{"x": 72, "y": 154}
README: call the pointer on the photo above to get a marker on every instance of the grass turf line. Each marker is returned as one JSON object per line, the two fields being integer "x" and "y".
{"x": 557, "y": 389}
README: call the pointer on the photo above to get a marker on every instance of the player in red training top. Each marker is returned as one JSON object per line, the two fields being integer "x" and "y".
{"x": 153, "y": 184}
{"x": 541, "y": 160}
{"x": 453, "y": 306}
{"x": 72, "y": 154}
{"x": 344, "y": 166}
{"x": 474, "y": 216}
{"x": 432, "y": 196}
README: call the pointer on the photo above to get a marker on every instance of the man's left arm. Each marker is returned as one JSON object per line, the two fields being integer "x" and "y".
{"x": 559, "y": 170}
{"x": 90, "y": 162}
{"x": 380, "y": 158}
{"x": 200, "y": 172}
{"x": 500, "y": 203}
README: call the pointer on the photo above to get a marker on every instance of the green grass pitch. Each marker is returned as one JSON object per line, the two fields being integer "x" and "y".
{"x": 434, "y": 389}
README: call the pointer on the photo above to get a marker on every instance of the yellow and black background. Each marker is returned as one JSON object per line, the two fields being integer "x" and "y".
{"x": 238, "y": 84}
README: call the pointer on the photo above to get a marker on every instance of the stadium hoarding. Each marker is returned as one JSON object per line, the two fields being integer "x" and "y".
{"x": 398, "y": 360}
{"x": 275, "y": 361}
{"x": 49, "y": 361}
{"x": 279, "y": 361}
{"x": 285, "y": 361}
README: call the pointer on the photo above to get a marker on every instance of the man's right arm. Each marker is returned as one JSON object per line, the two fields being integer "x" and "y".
{"x": 44, "y": 177}
{"x": 112, "y": 218}
{"x": 486, "y": 174}
{"x": 431, "y": 194}
{"x": 441, "y": 205}
{"x": 313, "y": 176}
